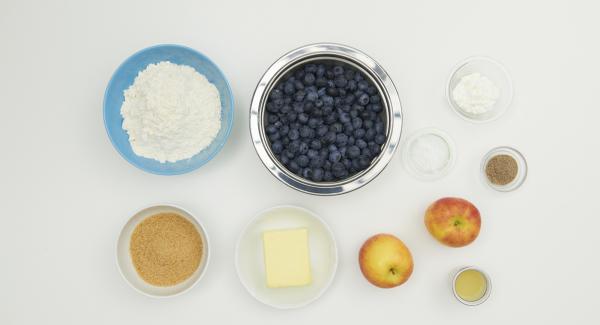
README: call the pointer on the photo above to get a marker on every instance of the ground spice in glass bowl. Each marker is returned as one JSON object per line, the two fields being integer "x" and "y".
{"x": 504, "y": 169}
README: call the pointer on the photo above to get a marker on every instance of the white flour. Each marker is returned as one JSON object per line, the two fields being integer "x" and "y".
{"x": 475, "y": 94}
{"x": 171, "y": 112}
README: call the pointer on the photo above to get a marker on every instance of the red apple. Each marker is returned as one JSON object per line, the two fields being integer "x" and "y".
{"x": 385, "y": 261}
{"x": 453, "y": 221}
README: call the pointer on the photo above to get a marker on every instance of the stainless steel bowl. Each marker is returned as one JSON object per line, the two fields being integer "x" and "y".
{"x": 329, "y": 52}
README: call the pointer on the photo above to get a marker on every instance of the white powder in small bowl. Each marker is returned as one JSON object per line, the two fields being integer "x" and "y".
{"x": 171, "y": 112}
{"x": 429, "y": 153}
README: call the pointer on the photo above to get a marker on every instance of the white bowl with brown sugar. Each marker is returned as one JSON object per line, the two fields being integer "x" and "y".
{"x": 163, "y": 251}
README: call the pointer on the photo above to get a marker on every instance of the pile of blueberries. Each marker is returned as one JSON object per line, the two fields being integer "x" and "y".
{"x": 324, "y": 121}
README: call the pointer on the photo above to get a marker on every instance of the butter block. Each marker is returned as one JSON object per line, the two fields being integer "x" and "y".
{"x": 287, "y": 260}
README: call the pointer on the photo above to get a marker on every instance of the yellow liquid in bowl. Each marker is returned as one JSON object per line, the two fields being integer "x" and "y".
{"x": 470, "y": 285}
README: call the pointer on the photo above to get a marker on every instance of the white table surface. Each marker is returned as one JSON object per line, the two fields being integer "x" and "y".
{"x": 66, "y": 193}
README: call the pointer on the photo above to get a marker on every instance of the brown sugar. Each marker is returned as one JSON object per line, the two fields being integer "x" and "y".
{"x": 166, "y": 249}
{"x": 501, "y": 169}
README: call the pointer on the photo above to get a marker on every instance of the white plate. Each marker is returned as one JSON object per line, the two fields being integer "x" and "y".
{"x": 126, "y": 265}
{"x": 249, "y": 258}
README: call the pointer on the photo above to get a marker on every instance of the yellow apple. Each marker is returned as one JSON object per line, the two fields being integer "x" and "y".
{"x": 453, "y": 221}
{"x": 385, "y": 261}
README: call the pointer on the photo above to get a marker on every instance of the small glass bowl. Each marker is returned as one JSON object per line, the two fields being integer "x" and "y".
{"x": 415, "y": 170}
{"x": 490, "y": 68}
{"x": 488, "y": 288}
{"x": 521, "y": 165}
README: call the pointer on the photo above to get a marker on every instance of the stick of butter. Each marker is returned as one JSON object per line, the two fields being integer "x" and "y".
{"x": 287, "y": 261}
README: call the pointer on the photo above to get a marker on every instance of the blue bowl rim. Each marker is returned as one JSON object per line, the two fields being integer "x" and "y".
{"x": 229, "y": 125}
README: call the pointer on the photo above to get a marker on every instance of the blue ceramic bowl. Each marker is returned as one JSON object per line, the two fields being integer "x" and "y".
{"x": 124, "y": 77}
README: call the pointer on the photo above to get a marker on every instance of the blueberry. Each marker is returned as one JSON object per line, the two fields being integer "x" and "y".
{"x": 299, "y": 74}
{"x": 293, "y": 134}
{"x": 302, "y": 161}
{"x": 344, "y": 117}
{"x": 320, "y": 70}
{"x": 315, "y": 145}
{"x": 357, "y": 122}
{"x": 312, "y": 96}
{"x": 286, "y": 109}
{"x": 368, "y": 124}
{"x": 380, "y": 139}
{"x": 347, "y": 163}
{"x": 370, "y": 134}
{"x": 271, "y": 107}
{"x": 327, "y": 176}
{"x": 291, "y": 116}
{"x": 299, "y": 95}
{"x": 307, "y": 132}
{"x": 379, "y": 127}
{"x": 276, "y": 94}
{"x": 293, "y": 165}
{"x": 313, "y": 122}
{"x": 303, "y": 149}
{"x": 284, "y": 130}
{"x": 371, "y": 90}
{"x": 308, "y": 107}
{"x": 338, "y": 70}
{"x": 375, "y": 108}
{"x": 336, "y": 127}
{"x": 363, "y": 99}
{"x": 351, "y": 85}
{"x": 331, "y": 91}
{"x": 298, "y": 85}
{"x": 358, "y": 77}
{"x": 284, "y": 159}
{"x": 318, "y": 103}
{"x": 317, "y": 162}
{"x": 321, "y": 82}
{"x": 309, "y": 79}
{"x": 375, "y": 99}
{"x": 329, "y": 137}
{"x": 363, "y": 85}
{"x": 289, "y": 88}
{"x": 335, "y": 156}
{"x": 328, "y": 101}
{"x": 361, "y": 143}
{"x": 277, "y": 147}
{"x": 351, "y": 141}
{"x": 339, "y": 170}
{"x": 274, "y": 136}
{"x": 278, "y": 103}
{"x": 302, "y": 118}
{"x": 366, "y": 152}
{"x": 359, "y": 133}
{"x": 273, "y": 118}
{"x": 364, "y": 161}
{"x": 310, "y": 68}
{"x": 341, "y": 139}
{"x": 307, "y": 173}
{"x": 354, "y": 151}
{"x": 375, "y": 150}
{"x": 271, "y": 129}
{"x": 330, "y": 118}
{"x": 312, "y": 153}
{"x": 348, "y": 128}
{"x": 322, "y": 130}
{"x": 340, "y": 81}
{"x": 349, "y": 99}
{"x": 317, "y": 175}
{"x": 332, "y": 148}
